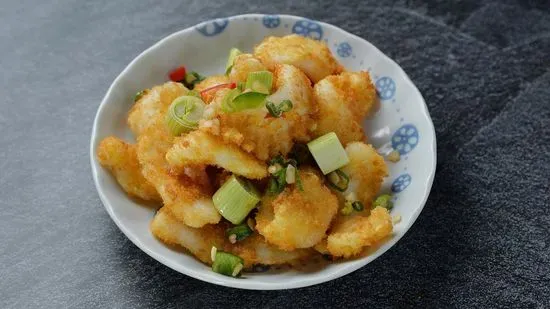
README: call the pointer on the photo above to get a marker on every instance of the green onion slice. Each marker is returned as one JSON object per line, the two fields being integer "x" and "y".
{"x": 184, "y": 114}
{"x": 227, "y": 264}
{"x": 273, "y": 109}
{"x": 358, "y": 206}
{"x": 191, "y": 79}
{"x": 383, "y": 200}
{"x": 299, "y": 181}
{"x": 248, "y": 100}
{"x": 227, "y": 103}
{"x": 338, "y": 180}
{"x": 285, "y": 106}
{"x": 328, "y": 152}
{"x": 241, "y": 86}
{"x": 233, "y": 53}
{"x": 260, "y": 81}
{"x": 240, "y": 231}
{"x": 235, "y": 199}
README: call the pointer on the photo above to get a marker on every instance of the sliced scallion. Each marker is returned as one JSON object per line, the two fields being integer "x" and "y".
{"x": 285, "y": 105}
{"x": 227, "y": 264}
{"x": 273, "y": 110}
{"x": 235, "y": 199}
{"x": 328, "y": 152}
{"x": 184, "y": 114}
{"x": 383, "y": 200}
{"x": 358, "y": 206}
{"x": 191, "y": 79}
{"x": 338, "y": 180}
{"x": 240, "y": 232}
{"x": 260, "y": 81}
{"x": 233, "y": 53}
{"x": 248, "y": 100}
{"x": 227, "y": 103}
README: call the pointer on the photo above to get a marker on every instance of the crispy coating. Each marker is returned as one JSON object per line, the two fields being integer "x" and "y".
{"x": 200, "y": 148}
{"x": 350, "y": 234}
{"x": 254, "y": 131}
{"x": 152, "y": 105}
{"x": 366, "y": 171}
{"x": 344, "y": 100}
{"x": 296, "y": 219}
{"x": 199, "y": 241}
{"x": 211, "y": 81}
{"x": 244, "y": 64}
{"x": 255, "y": 250}
{"x": 121, "y": 160}
{"x": 311, "y": 56}
{"x": 189, "y": 201}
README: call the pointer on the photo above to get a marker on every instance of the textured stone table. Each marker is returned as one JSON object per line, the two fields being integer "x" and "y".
{"x": 483, "y": 239}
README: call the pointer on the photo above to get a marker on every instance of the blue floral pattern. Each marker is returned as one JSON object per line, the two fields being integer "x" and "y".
{"x": 308, "y": 28}
{"x": 401, "y": 183}
{"x": 213, "y": 28}
{"x": 385, "y": 87}
{"x": 271, "y": 21}
{"x": 344, "y": 50}
{"x": 405, "y": 139}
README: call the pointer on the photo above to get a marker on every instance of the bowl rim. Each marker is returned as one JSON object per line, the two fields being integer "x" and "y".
{"x": 251, "y": 284}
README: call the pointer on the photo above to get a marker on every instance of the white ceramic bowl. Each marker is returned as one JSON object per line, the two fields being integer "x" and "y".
{"x": 403, "y": 120}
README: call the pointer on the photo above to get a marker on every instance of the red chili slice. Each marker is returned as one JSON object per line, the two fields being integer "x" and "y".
{"x": 178, "y": 74}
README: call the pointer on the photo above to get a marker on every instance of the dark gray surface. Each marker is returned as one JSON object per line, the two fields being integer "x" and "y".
{"x": 482, "y": 240}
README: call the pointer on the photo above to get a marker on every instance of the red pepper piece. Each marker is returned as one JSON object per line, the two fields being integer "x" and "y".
{"x": 178, "y": 74}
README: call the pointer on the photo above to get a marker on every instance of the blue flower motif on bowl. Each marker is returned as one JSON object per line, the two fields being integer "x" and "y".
{"x": 385, "y": 87}
{"x": 344, "y": 50}
{"x": 405, "y": 139}
{"x": 401, "y": 183}
{"x": 271, "y": 21}
{"x": 213, "y": 28}
{"x": 308, "y": 28}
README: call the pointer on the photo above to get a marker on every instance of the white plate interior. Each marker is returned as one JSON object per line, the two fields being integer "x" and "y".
{"x": 403, "y": 120}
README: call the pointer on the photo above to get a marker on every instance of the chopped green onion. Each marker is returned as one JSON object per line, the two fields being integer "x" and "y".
{"x": 358, "y": 206}
{"x": 194, "y": 93}
{"x": 241, "y": 85}
{"x": 184, "y": 114}
{"x": 273, "y": 109}
{"x": 285, "y": 105}
{"x": 239, "y": 232}
{"x": 227, "y": 103}
{"x": 277, "y": 111}
{"x": 191, "y": 79}
{"x": 235, "y": 199}
{"x": 233, "y": 53}
{"x": 290, "y": 175}
{"x": 213, "y": 252}
{"x": 338, "y": 180}
{"x": 227, "y": 264}
{"x": 299, "y": 181}
{"x": 347, "y": 209}
{"x": 260, "y": 81}
{"x": 139, "y": 95}
{"x": 383, "y": 200}
{"x": 248, "y": 100}
{"x": 328, "y": 152}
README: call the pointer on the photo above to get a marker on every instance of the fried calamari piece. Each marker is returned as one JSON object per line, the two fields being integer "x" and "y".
{"x": 198, "y": 241}
{"x": 121, "y": 160}
{"x": 200, "y": 148}
{"x": 350, "y": 234}
{"x": 296, "y": 219}
{"x": 255, "y": 250}
{"x": 211, "y": 81}
{"x": 311, "y": 56}
{"x": 344, "y": 100}
{"x": 189, "y": 201}
{"x": 258, "y": 133}
{"x": 152, "y": 105}
{"x": 366, "y": 171}
{"x": 244, "y": 64}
